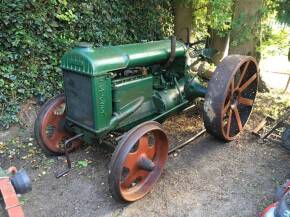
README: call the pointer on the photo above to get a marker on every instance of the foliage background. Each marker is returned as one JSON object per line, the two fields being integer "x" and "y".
{"x": 34, "y": 34}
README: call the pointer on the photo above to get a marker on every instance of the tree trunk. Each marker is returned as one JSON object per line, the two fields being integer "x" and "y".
{"x": 246, "y": 37}
{"x": 221, "y": 43}
{"x": 183, "y": 20}
{"x": 246, "y": 12}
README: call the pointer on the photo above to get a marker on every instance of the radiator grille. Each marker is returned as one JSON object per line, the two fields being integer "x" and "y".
{"x": 78, "y": 92}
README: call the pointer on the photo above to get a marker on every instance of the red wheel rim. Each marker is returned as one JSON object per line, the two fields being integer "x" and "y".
{"x": 145, "y": 143}
{"x": 52, "y": 130}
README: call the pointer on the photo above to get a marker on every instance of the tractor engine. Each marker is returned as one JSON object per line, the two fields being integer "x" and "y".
{"x": 118, "y": 87}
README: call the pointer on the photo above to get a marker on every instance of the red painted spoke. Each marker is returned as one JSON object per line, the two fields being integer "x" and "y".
{"x": 226, "y": 108}
{"x": 230, "y": 92}
{"x": 54, "y": 120}
{"x": 56, "y": 138}
{"x": 246, "y": 101}
{"x": 131, "y": 161}
{"x": 232, "y": 86}
{"x": 151, "y": 152}
{"x": 248, "y": 82}
{"x": 238, "y": 118}
{"x": 143, "y": 144}
{"x": 243, "y": 74}
{"x": 228, "y": 126}
{"x": 53, "y": 117}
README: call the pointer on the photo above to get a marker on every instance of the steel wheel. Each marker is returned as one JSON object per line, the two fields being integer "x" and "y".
{"x": 138, "y": 162}
{"x": 49, "y": 127}
{"x": 230, "y": 97}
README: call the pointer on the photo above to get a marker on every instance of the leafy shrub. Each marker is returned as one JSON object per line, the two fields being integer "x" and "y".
{"x": 34, "y": 34}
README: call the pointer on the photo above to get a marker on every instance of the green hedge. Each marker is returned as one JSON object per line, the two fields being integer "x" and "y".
{"x": 35, "y": 33}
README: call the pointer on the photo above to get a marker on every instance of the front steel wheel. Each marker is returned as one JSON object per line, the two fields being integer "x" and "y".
{"x": 230, "y": 96}
{"x": 49, "y": 127}
{"x": 138, "y": 162}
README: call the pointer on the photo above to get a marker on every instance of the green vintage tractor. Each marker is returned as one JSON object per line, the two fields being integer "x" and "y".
{"x": 125, "y": 92}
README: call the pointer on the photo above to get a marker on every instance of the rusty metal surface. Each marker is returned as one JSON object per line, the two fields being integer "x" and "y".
{"x": 270, "y": 126}
{"x": 138, "y": 162}
{"x": 230, "y": 97}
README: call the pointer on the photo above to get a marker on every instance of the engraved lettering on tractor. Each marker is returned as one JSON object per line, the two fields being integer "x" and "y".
{"x": 102, "y": 96}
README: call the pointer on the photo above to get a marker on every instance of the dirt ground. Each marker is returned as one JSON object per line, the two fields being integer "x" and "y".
{"x": 206, "y": 178}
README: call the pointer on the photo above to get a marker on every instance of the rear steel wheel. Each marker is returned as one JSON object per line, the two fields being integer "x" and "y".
{"x": 230, "y": 97}
{"x": 138, "y": 162}
{"x": 49, "y": 128}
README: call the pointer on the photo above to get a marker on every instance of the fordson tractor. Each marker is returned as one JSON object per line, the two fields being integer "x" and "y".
{"x": 123, "y": 93}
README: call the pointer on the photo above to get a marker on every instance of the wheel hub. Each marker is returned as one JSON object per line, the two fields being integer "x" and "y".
{"x": 144, "y": 163}
{"x": 235, "y": 96}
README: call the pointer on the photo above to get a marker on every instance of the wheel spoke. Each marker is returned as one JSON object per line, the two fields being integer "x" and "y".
{"x": 151, "y": 152}
{"x": 226, "y": 108}
{"x": 246, "y": 101}
{"x": 54, "y": 120}
{"x": 228, "y": 126}
{"x": 230, "y": 92}
{"x": 248, "y": 82}
{"x": 238, "y": 118}
{"x": 232, "y": 86}
{"x": 131, "y": 161}
{"x": 243, "y": 74}
{"x": 143, "y": 144}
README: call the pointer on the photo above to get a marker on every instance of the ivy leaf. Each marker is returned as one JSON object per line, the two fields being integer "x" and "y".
{"x": 82, "y": 163}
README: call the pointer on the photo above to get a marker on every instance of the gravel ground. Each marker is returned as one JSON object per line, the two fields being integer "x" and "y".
{"x": 206, "y": 178}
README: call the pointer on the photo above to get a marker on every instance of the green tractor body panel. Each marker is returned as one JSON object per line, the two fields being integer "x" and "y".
{"x": 117, "y": 87}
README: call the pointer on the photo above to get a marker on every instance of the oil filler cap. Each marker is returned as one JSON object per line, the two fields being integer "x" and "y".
{"x": 84, "y": 45}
